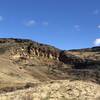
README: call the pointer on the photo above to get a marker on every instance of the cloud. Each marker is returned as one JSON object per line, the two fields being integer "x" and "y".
{"x": 98, "y": 26}
{"x": 97, "y": 42}
{"x": 96, "y": 12}
{"x": 77, "y": 27}
{"x": 30, "y": 23}
{"x": 45, "y": 23}
{"x": 1, "y": 18}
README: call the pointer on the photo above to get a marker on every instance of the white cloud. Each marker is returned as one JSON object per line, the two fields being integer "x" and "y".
{"x": 97, "y": 42}
{"x": 77, "y": 27}
{"x": 1, "y": 18}
{"x": 98, "y": 26}
{"x": 96, "y": 12}
{"x": 45, "y": 23}
{"x": 30, "y": 23}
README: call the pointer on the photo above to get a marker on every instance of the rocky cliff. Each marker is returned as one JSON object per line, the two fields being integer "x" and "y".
{"x": 27, "y": 49}
{"x": 27, "y": 62}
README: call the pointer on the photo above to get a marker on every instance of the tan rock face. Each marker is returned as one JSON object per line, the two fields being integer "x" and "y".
{"x": 61, "y": 75}
{"x": 32, "y": 51}
{"x": 27, "y": 49}
{"x": 17, "y": 56}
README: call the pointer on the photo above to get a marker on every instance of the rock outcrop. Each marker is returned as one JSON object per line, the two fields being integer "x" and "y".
{"x": 27, "y": 49}
{"x": 25, "y": 62}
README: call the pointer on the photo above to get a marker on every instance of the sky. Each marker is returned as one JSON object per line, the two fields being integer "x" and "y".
{"x": 65, "y": 24}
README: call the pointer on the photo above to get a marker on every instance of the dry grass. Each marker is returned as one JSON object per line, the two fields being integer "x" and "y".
{"x": 15, "y": 76}
{"x": 57, "y": 90}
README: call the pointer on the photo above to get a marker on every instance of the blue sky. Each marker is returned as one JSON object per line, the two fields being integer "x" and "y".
{"x": 66, "y": 24}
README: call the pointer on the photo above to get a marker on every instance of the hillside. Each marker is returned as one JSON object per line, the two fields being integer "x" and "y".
{"x": 26, "y": 64}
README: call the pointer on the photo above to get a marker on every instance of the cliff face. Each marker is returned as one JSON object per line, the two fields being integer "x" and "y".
{"x": 25, "y": 63}
{"x": 27, "y": 49}
{"x": 59, "y": 64}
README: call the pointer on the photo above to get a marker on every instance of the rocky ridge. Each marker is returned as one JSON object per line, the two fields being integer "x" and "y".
{"x": 28, "y": 63}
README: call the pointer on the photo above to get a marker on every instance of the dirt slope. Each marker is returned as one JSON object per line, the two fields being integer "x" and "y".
{"x": 25, "y": 63}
